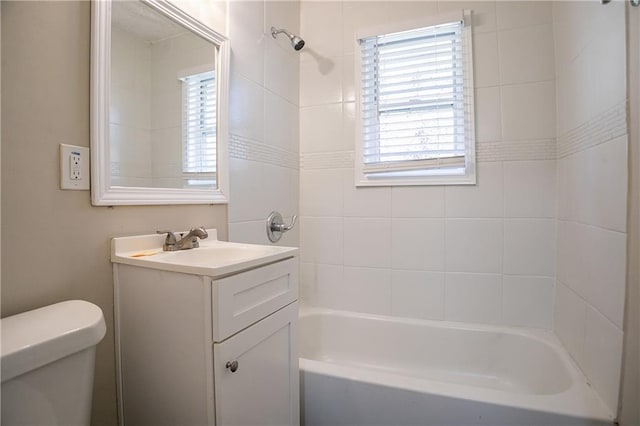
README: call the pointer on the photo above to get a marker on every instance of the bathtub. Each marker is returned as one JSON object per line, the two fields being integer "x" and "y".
{"x": 361, "y": 369}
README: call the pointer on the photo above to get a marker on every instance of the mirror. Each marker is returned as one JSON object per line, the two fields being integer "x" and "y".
{"x": 159, "y": 106}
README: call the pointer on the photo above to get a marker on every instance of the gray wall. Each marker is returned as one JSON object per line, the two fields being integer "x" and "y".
{"x": 55, "y": 244}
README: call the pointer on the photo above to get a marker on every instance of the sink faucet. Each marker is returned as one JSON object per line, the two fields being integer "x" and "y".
{"x": 189, "y": 241}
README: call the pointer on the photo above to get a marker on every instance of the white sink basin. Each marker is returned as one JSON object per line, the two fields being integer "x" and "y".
{"x": 213, "y": 258}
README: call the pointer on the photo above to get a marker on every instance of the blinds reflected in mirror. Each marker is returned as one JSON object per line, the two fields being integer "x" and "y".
{"x": 199, "y": 129}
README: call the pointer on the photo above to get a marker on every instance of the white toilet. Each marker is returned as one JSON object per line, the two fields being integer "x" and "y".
{"x": 47, "y": 366}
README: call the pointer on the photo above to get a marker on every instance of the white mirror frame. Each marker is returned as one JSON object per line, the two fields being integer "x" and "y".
{"x": 102, "y": 192}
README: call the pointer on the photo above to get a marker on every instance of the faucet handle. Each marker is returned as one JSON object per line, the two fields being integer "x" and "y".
{"x": 171, "y": 237}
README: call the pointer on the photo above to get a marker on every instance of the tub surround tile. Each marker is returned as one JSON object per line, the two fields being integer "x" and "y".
{"x": 246, "y": 177}
{"x": 530, "y": 189}
{"x": 487, "y": 70}
{"x": 364, "y": 201}
{"x": 586, "y": 181}
{"x": 592, "y": 261}
{"x": 417, "y": 294}
{"x": 367, "y": 242}
{"x": 323, "y": 285}
{"x": 522, "y": 14}
{"x": 488, "y": 120}
{"x": 527, "y": 111}
{"x": 323, "y": 239}
{"x": 417, "y": 201}
{"x": 603, "y": 356}
{"x": 367, "y": 290}
{"x": 321, "y": 128}
{"x": 485, "y": 199}
{"x": 528, "y": 301}
{"x": 570, "y": 313}
{"x": 320, "y": 80}
{"x": 473, "y": 297}
{"x": 417, "y": 244}
{"x": 473, "y": 245}
{"x": 246, "y": 30}
{"x": 523, "y": 57}
{"x": 246, "y": 108}
{"x": 323, "y": 193}
{"x": 530, "y": 247}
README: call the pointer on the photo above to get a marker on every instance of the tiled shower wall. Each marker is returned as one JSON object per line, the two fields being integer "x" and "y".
{"x": 483, "y": 253}
{"x": 592, "y": 188}
{"x": 263, "y": 119}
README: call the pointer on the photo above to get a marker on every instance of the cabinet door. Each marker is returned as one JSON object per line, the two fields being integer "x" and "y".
{"x": 263, "y": 390}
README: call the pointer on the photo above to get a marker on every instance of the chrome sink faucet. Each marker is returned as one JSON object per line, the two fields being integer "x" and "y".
{"x": 189, "y": 241}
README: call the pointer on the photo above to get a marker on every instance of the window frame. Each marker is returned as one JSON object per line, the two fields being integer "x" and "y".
{"x": 424, "y": 176}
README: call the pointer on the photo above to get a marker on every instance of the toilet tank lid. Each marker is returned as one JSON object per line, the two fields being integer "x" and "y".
{"x": 35, "y": 338}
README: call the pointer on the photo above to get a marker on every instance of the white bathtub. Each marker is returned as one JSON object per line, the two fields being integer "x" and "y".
{"x": 360, "y": 369}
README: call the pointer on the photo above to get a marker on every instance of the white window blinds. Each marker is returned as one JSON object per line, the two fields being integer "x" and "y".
{"x": 414, "y": 113}
{"x": 199, "y": 125}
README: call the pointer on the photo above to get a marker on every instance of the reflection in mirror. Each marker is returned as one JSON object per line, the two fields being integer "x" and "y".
{"x": 162, "y": 122}
{"x": 159, "y": 102}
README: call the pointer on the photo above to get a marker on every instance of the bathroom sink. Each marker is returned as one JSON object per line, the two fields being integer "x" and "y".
{"x": 213, "y": 258}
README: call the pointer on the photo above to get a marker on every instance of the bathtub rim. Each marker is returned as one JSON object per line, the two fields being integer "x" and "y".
{"x": 580, "y": 400}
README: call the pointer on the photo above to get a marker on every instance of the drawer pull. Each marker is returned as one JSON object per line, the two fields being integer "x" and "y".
{"x": 233, "y": 366}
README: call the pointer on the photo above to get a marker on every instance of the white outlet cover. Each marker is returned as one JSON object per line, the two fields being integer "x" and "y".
{"x": 66, "y": 153}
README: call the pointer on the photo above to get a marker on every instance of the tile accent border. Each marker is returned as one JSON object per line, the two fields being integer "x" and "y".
{"x": 249, "y": 149}
{"x": 606, "y": 126}
{"x": 541, "y": 149}
{"x": 327, "y": 160}
{"x": 544, "y": 149}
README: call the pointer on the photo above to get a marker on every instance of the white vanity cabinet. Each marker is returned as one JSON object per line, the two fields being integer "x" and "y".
{"x": 198, "y": 349}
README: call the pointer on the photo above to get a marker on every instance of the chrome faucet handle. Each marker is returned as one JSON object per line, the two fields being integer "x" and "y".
{"x": 171, "y": 237}
{"x": 199, "y": 232}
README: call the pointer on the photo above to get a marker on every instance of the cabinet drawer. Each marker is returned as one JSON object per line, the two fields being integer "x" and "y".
{"x": 243, "y": 299}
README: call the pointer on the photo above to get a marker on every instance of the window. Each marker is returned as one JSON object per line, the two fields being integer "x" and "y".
{"x": 199, "y": 129}
{"x": 415, "y": 106}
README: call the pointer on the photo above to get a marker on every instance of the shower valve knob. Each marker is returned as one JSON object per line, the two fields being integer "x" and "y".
{"x": 276, "y": 226}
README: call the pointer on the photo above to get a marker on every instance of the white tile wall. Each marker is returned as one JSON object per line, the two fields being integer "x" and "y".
{"x": 530, "y": 247}
{"x": 417, "y": 294}
{"x": 528, "y": 111}
{"x": 522, "y": 14}
{"x": 364, "y": 202}
{"x": 417, "y": 244}
{"x": 603, "y": 355}
{"x": 420, "y": 234}
{"x": 486, "y": 71}
{"x": 264, "y": 124}
{"x": 530, "y": 189}
{"x": 473, "y": 297}
{"x": 481, "y": 200}
{"x": 373, "y": 283}
{"x": 528, "y": 301}
{"x": 524, "y": 55}
{"x": 474, "y": 245}
{"x": 592, "y": 188}
{"x": 367, "y": 242}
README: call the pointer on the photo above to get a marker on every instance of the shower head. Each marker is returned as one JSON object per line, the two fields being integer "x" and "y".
{"x": 296, "y": 41}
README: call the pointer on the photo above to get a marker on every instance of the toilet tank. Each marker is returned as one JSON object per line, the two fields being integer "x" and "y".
{"x": 47, "y": 364}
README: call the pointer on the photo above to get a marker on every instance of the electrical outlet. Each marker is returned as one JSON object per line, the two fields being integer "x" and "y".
{"x": 74, "y": 167}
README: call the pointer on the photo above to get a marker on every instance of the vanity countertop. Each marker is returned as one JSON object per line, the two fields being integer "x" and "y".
{"x": 213, "y": 258}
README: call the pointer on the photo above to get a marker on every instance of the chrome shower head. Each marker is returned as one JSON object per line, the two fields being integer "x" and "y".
{"x": 296, "y": 42}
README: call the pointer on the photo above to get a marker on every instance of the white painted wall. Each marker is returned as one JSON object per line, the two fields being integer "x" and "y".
{"x": 592, "y": 188}
{"x": 483, "y": 253}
